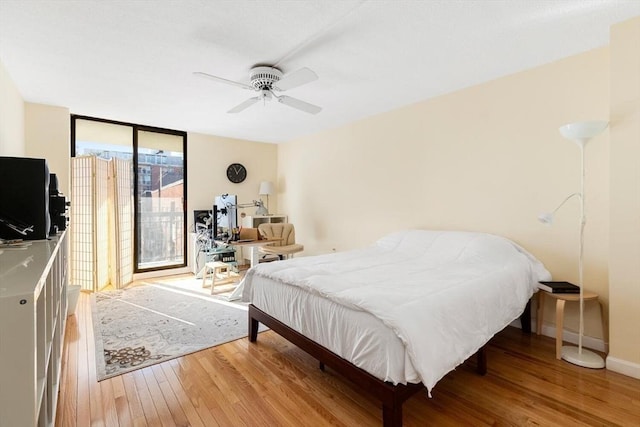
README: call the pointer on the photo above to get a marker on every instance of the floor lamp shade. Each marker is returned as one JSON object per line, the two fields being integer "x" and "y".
{"x": 580, "y": 133}
{"x": 266, "y": 189}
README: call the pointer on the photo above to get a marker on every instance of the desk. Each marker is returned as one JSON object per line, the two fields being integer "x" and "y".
{"x": 560, "y": 300}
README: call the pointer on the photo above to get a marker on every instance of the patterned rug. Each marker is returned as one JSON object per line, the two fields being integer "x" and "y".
{"x": 144, "y": 325}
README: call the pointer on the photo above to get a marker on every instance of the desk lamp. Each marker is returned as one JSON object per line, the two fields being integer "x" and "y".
{"x": 580, "y": 133}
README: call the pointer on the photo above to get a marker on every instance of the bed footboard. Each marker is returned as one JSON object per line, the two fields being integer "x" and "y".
{"x": 391, "y": 396}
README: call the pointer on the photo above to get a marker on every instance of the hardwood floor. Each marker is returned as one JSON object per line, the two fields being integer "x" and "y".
{"x": 273, "y": 383}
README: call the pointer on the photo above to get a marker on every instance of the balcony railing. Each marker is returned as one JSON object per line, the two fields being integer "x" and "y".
{"x": 161, "y": 231}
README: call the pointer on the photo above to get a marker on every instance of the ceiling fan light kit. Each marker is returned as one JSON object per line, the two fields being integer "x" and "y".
{"x": 264, "y": 77}
{"x": 265, "y": 80}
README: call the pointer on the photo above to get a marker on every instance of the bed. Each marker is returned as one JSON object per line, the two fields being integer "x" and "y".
{"x": 397, "y": 316}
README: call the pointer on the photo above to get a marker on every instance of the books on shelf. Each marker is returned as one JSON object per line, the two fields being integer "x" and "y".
{"x": 559, "y": 287}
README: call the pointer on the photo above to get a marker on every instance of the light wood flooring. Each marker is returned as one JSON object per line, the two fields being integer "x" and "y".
{"x": 273, "y": 383}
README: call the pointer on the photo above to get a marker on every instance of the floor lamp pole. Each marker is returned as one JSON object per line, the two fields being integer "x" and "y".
{"x": 581, "y": 133}
{"x": 583, "y": 222}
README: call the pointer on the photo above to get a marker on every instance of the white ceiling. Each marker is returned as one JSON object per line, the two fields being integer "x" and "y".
{"x": 133, "y": 61}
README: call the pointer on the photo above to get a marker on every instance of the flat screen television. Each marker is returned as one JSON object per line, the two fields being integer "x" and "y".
{"x": 24, "y": 198}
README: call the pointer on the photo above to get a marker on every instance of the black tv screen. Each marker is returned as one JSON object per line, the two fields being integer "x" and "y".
{"x": 24, "y": 197}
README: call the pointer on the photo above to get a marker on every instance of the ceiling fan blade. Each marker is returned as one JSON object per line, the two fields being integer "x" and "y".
{"x": 246, "y": 104}
{"x": 296, "y": 78}
{"x": 300, "y": 105}
{"x": 221, "y": 80}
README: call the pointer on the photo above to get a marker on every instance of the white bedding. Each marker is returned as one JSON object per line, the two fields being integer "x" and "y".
{"x": 354, "y": 335}
{"x": 444, "y": 294}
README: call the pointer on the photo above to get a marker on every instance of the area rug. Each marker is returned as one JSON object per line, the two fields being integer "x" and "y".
{"x": 144, "y": 325}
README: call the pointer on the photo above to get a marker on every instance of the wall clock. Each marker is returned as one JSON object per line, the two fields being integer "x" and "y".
{"x": 236, "y": 173}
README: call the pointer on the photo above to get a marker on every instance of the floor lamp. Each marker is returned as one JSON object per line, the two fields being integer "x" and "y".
{"x": 580, "y": 133}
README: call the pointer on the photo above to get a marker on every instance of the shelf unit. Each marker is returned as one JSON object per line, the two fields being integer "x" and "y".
{"x": 33, "y": 314}
{"x": 253, "y": 221}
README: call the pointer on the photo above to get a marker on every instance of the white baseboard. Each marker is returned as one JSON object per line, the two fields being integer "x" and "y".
{"x": 614, "y": 364}
{"x": 623, "y": 367}
{"x": 572, "y": 337}
{"x": 568, "y": 336}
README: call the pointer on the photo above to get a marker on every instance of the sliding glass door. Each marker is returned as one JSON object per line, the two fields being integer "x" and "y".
{"x": 158, "y": 187}
{"x": 160, "y": 194}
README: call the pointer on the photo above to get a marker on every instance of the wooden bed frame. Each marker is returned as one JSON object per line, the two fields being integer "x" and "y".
{"x": 391, "y": 396}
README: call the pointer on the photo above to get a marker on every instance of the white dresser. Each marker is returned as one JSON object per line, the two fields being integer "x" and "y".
{"x": 33, "y": 306}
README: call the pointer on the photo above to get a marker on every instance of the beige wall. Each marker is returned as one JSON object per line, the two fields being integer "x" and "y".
{"x": 207, "y": 161}
{"x": 47, "y": 137}
{"x": 34, "y": 130}
{"x": 487, "y": 158}
{"x": 624, "y": 276}
{"x": 11, "y": 117}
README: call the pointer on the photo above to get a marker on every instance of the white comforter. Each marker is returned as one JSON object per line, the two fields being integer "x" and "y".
{"x": 445, "y": 294}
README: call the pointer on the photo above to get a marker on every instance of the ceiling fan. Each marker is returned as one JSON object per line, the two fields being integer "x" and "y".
{"x": 266, "y": 81}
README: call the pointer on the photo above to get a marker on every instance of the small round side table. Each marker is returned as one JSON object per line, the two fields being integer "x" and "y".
{"x": 560, "y": 301}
